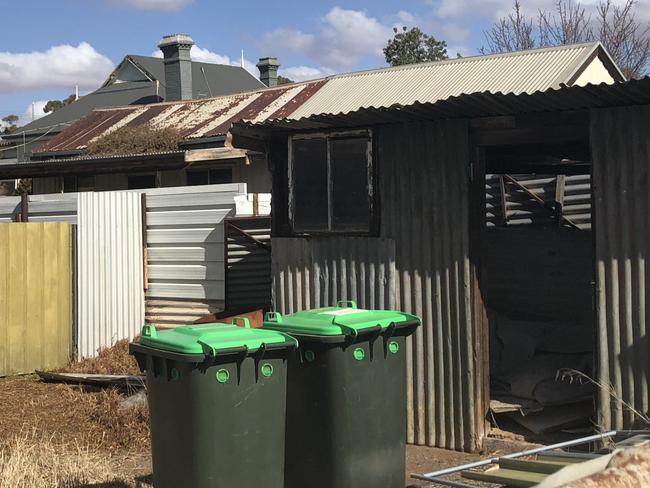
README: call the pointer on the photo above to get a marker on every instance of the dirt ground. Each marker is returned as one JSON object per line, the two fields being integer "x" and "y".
{"x": 78, "y": 425}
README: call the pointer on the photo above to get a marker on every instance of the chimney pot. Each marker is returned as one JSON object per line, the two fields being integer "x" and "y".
{"x": 178, "y": 66}
{"x": 268, "y": 71}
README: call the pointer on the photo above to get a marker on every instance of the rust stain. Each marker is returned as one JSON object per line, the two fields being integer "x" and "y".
{"x": 237, "y": 100}
{"x": 191, "y": 118}
{"x": 147, "y": 115}
{"x": 293, "y": 104}
{"x": 249, "y": 111}
{"x": 80, "y": 133}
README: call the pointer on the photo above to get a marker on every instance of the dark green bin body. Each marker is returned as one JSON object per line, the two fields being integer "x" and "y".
{"x": 346, "y": 418}
{"x": 206, "y": 434}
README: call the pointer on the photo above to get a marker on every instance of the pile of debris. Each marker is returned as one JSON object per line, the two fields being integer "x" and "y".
{"x": 525, "y": 385}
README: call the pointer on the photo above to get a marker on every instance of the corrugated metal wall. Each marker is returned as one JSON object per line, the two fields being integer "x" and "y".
{"x": 35, "y": 296}
{"x": 248, "y": 274}
{"x": 620, "y": 140}
{"x": 424, "y": 188}
{"x": 317, "y": 272}
{"x": 110, "y": 303}
{"x": 421, "y": 264}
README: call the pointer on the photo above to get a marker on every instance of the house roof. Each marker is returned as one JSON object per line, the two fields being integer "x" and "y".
{"x": 516, "y": 73}
{"x": 221, "y": 80}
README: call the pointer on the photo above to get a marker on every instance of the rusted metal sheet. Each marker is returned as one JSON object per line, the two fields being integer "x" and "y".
{"x": 317, "y": 272}
{"x": 194, "y": 118}
{"x": 424, "y": 187}
{"x": 620, "y": 144}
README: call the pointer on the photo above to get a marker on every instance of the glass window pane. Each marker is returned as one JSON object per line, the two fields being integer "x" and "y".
{"x": 350, "y": 199}
{"x": 310, "y": 184}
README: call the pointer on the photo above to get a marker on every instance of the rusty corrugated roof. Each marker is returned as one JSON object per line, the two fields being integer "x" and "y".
{"x": 193, "y": 118}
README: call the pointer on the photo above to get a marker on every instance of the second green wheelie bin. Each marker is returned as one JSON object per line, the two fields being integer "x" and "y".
{"x": 216, "y": 397}
{"x": 346, "y": 397}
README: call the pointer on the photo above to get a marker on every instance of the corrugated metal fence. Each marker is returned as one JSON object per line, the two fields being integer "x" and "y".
{"x": 110, "y": 304}
{"x": 620, "y": 141}
{"x": 35, "y": 296}
{"x": 186, "y": 250}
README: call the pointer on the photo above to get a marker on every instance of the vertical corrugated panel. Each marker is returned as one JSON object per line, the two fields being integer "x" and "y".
{"x": 620, "y": 141}
{"x": 248, "y": 281}
{"x": 317, "y": 272}
{"x": 35, "y": 296}
{"x": 110, "y": 269}
{"x": 425, "y": 208}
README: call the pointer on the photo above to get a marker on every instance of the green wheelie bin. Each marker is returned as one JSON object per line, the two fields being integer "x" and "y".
{"x": 346, "y": 397}
{"x": 217, "y": 396}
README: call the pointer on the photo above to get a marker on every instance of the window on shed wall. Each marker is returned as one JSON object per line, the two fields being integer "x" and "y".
{"x": 331, "y": 186}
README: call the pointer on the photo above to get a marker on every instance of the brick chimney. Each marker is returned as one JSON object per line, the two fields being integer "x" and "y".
{"x": 178, "y": 66}
{"x": 268, "y": 71}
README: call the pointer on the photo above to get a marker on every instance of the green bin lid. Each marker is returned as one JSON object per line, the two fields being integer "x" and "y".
{"x": 344, "y": 319}
{"x": 212, "y": 338}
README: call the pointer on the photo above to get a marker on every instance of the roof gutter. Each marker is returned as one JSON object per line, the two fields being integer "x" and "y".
{"x": 132, "y": 163}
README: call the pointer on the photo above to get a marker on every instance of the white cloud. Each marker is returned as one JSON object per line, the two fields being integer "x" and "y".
{"x": 454, "y": 33}
{"x": 202, "y": 55}
{"x": 302, "y": 73}
{"x": 345, "y": 37}
{"x": 61, "y": 66}
{"x": 163, "y": 5}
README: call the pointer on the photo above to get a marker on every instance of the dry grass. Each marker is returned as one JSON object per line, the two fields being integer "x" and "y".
{"x": 135, "y": 140}
{"x": 28, "y": 461}
{"x": 112, "y": 360}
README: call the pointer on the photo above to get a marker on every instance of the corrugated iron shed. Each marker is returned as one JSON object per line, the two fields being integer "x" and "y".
{"x": 516, "y": 73}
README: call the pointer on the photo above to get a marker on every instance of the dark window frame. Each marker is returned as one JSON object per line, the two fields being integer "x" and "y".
{"x": 371, "y": 228}
{"x": 208, "y": 170}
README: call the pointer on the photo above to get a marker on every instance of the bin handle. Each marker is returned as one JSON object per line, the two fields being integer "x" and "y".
{"x": 347, "y": 303}
{"x": 149, "y": 330}
{"x": 273, "y": 317}
{"x": 243, "y": 320}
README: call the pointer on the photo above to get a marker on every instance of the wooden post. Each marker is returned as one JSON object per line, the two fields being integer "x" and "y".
{"x": 145, "y": 257}
{"x": 24, "y": 207}
{"x": 256, "y": 204}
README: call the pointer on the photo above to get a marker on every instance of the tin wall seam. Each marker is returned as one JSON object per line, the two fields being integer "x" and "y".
{"x": 111, "y": 299}
{"x": 620, "y": 140}
{"x": 425, "y": 209}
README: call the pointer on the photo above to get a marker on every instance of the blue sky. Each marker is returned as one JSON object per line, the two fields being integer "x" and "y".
{"x": 49, "y": 47}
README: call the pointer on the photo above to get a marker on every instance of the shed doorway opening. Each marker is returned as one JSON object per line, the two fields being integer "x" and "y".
{"x": 537, "y": 275}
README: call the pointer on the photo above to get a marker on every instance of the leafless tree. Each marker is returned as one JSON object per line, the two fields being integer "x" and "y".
{"x": 616, "y": 26}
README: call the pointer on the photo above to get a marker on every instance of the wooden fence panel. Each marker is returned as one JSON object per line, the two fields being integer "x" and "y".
{"x": 35, "y": 296}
